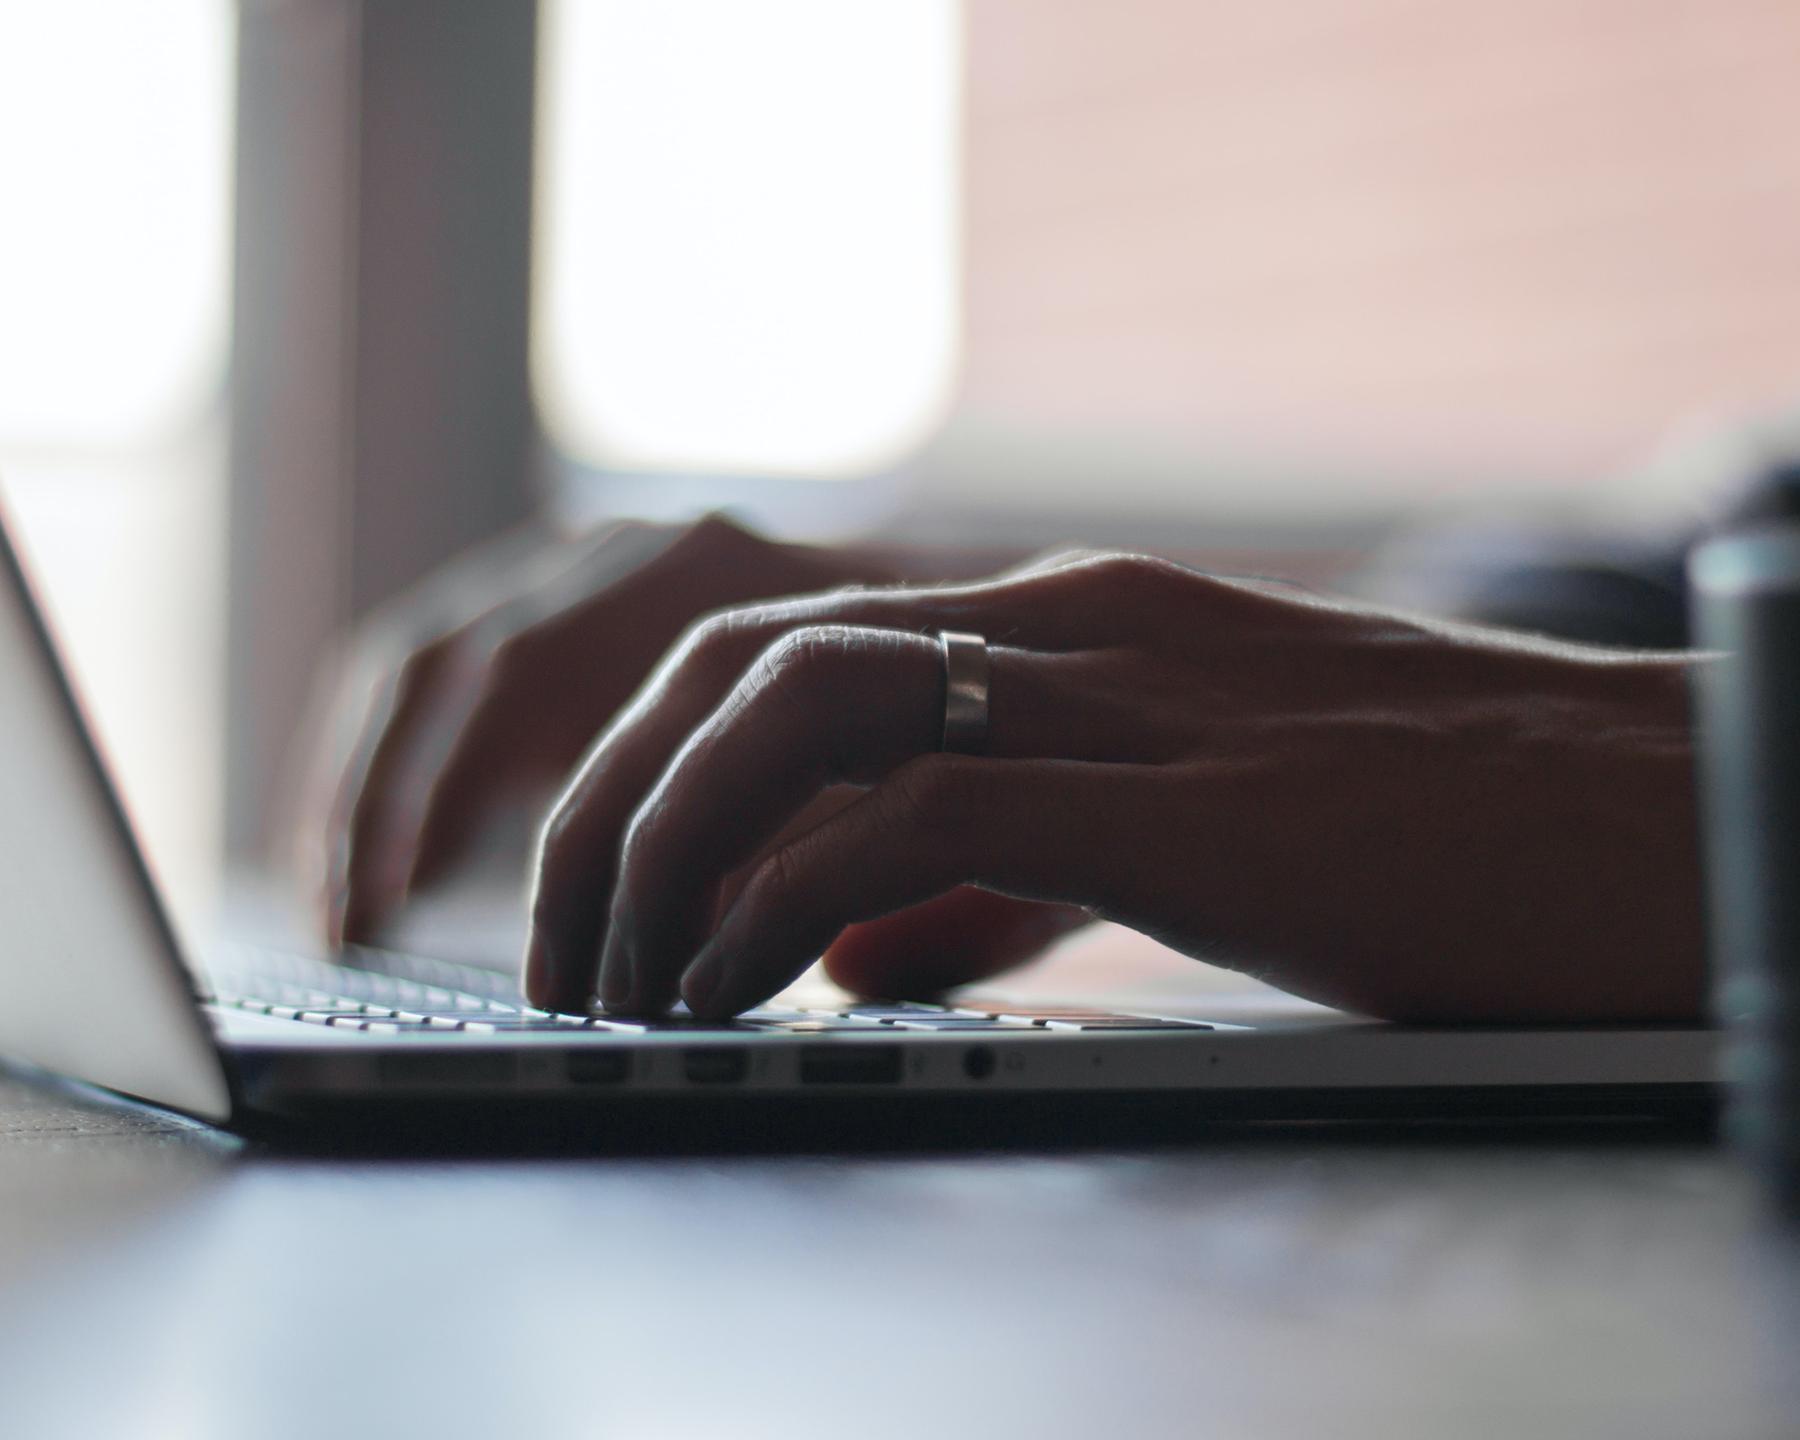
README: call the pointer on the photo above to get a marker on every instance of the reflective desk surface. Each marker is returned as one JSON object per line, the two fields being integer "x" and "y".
{"x": 162, "y": 1279}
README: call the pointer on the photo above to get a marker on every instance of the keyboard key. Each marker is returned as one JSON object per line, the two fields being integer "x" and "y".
{"x": 379, "y": 1027}
{"x": 812, "y": 1025}
{"x": 898, "y": 1010}
{"x": 1123, "y": 1022}
{"x": 960, "y": 1022}
{"x": 638, "y": 1025}
{"x": 491, "y": 1024}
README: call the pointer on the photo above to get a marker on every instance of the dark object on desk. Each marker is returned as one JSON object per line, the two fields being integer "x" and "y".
{"x": 1618, "y": 584}
{"x": 1594, "y": 590}
{"x": 1747, "y": 604}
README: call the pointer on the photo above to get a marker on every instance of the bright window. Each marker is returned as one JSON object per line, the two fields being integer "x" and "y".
{"x": 747, "y": 231}
{"x": 115, "y": 163}
{"x": 113, "y": 145}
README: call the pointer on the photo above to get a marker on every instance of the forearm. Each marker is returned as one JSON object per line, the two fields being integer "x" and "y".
{"x": 1438, "y": 821}
{"x": 1528, "y": 851}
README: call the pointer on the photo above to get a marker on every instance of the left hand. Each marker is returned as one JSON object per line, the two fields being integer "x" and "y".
{"x": 1384, "y": 815}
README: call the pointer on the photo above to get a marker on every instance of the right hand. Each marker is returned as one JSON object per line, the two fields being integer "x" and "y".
{"x": 482, "y": 690}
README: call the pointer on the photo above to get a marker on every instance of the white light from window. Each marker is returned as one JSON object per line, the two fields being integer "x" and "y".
{"x": 747, "y": 231}
{"x": 115, "y": 224}
{"x": 115, "y": 143}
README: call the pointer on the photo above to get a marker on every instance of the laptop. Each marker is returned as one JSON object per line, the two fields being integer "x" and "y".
{"x": 98, "y": 988}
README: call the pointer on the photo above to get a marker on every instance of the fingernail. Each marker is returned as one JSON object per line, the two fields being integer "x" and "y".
{"x": 615, "y": 970}
{"x": 700, "y": 981}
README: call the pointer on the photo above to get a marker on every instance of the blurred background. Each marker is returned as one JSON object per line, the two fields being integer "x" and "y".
{"x": 300, "y": 297}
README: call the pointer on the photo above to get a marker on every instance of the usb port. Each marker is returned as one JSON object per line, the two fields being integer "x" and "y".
{"x": 715, "y": 1067}
{"x": 851, "y": 1064}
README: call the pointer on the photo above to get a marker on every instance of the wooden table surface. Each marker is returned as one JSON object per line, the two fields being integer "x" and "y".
{"x": 161, "y": 1279}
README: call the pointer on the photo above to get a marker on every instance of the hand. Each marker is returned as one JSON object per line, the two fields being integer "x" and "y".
{"x": 476, "y": 696}
{"x": 1392, "y": 817}
{"x": 480, "y": 692}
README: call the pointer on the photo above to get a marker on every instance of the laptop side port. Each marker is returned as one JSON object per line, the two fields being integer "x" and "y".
{"x": 856, "y": 1064}
{"x": 978, "y": 1062}
{"x": 599, "y": 1067}
{"x": 715, "y": 1067}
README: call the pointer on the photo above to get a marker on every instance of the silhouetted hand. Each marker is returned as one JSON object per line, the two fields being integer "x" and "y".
{"x": 476, "y": 696}
{"x": 1395, "y": 817}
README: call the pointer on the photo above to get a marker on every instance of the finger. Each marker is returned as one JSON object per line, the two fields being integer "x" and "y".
{"x": 311, "y": 800}
{"x": 825, "y": 705}
{"x": 566, "y": 658}
{"x": 965, "y": 935}
{"x": 385, "y": 700}
{"x": 1055, "y": 611}
{"x": 570, "y": 650}
{"x": 502, "y": 728}
{"x": 511, "y": 741}
{"x": 1049, "y": 830}
{"x": 413, "y": 721}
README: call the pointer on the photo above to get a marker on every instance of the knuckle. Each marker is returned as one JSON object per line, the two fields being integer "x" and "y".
{"x": 1126, "y": 573}
{"x": 508, "y": 659}
{"x": 711, "y": 637}
{"x": 932, "y": 794}
{"x": 639, "y": 839}
{"x": 547, "y": 909}
{"x": 440, "y": 664}
{"x": 714, "y": 646}
{"x": 1065, "y": 558}
{"x": 419, "y": 667}
{"x": 556, "y": 868}
{"x": 806, "y": 658}
{"x": 712, "y": 539}
{"x": 563, "y": 838}
{"x": 718, "y": 531}
{"x": 385, "y": 638}
{"x": 775, "y": 880}
{"x": 552, "y": 843}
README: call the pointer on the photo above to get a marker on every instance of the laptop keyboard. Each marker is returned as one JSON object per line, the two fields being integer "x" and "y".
{"x": 384, "y": 993}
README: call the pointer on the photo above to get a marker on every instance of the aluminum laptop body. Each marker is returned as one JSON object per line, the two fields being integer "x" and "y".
{"x": 95, "y": 986}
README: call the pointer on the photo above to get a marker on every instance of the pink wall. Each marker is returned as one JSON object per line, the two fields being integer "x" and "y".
{"x": 1515, "y": 236}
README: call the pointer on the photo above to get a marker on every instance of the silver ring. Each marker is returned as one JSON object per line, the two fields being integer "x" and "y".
{"x": 965, "y": 692}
